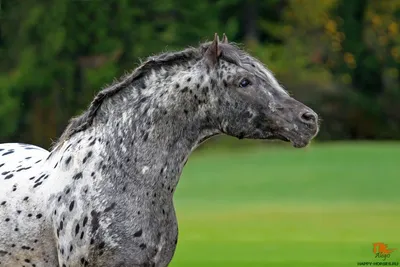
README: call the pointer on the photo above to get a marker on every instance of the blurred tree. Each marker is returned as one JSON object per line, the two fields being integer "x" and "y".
{"x": 356, "y": 58}
{"x": 60, "y": 53}
{"x": 341, "y": 56}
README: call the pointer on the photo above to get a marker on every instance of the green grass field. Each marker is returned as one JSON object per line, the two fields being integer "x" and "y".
{"x": 279, "y": 206}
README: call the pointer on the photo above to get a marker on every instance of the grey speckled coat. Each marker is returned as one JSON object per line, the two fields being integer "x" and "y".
{"x": 104, "y": 195}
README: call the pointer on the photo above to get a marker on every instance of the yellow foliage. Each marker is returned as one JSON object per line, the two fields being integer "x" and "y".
{"x": 308, "y": 14}
{"x": 383, "y": 40}
{"x": 394, "y": 52}
{"x": 315, "y": 24}
{"x": 290, "y": 14}
{"x": 350, "y": 60}
{"x": 376, "y": 20}
{"x": 342, "y": 36}
{"x": 336, "y": 46}
{"x": 288, "y": 29}
{"x": 393, "y": 73}
{"x": 393, "y": 28}
{"x": 331, "y": 26}
{"x": 346, "y": 78}
{"x": 329, "y": 63}
{"x": 339, "y": 37}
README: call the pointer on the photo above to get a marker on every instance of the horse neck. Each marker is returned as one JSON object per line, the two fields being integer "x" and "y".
{"x": 146, "y": 139}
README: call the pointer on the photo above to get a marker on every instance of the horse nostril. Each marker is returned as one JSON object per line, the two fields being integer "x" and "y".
{"x": 308, "y": 117}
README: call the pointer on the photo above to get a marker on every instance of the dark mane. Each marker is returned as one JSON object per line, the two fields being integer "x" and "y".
{"x": 80, "y": 123}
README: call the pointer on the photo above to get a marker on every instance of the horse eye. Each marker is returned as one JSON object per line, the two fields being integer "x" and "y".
{"x": 244, "y": 83}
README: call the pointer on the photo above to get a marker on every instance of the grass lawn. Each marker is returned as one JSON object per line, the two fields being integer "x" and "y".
{"x": 279, "y": 206}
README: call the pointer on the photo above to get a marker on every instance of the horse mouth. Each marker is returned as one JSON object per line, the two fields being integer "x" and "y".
{"x": 278, "y": 137}
{"x": 297, "y": 142}
{"x": 282, "y": 138}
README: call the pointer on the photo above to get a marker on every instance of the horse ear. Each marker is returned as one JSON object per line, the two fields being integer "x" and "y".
{"x": 224, "y": 39}
{"x": 213, "y": 52}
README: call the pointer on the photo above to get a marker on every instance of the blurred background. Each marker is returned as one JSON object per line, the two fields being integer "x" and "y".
{"x": 239, "y": 203}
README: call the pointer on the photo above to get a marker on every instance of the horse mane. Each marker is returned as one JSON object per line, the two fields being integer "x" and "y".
{"x": 85, "y": 120}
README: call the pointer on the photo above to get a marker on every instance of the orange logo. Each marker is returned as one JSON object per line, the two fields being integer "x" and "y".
{"x": 381, "y": 250}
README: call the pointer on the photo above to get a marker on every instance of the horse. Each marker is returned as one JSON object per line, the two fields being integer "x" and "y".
{"x": 103, "y": 194}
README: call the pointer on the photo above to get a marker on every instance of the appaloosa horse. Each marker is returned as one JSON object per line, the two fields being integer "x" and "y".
{"x": 104, "y": 195}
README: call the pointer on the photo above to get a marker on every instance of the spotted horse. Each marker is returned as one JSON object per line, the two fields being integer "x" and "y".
{"x": 103, "y": 195}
